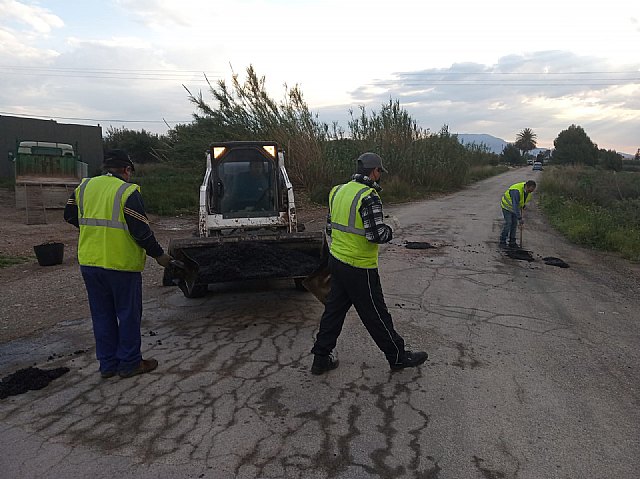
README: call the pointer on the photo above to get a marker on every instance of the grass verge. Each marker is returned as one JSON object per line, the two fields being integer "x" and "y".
{"x": 6, "y": 261}
{"x": 598, "y": 215}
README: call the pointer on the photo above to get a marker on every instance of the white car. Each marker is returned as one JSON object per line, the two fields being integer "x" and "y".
{"x": 537, "y": 166}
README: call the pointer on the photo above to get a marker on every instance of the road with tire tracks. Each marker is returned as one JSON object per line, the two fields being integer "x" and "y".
{"x": 533, "y": 371}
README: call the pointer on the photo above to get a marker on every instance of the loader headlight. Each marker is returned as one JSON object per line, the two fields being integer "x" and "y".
{"x": 270, "y": 149}
{"x": 218, "y": 151}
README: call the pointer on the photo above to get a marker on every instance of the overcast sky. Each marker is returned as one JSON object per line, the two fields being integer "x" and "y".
{"x": 493, "y": 67}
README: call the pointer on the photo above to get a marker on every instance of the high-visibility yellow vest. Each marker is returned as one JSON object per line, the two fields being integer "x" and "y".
{"x": 104, "y": 236}
{"x": 348, "y": 241}
{"x": 507, "y": 204}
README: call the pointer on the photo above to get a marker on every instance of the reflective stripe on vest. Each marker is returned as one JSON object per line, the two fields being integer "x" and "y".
{"x": 348, "y": 240}
{"x": 117, "y": 205}
{"x": 104, "y": 240}
{"x": 353, "y": 211}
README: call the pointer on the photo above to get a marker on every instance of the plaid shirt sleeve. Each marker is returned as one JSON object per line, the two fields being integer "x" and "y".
{"x": 373, "y": 219}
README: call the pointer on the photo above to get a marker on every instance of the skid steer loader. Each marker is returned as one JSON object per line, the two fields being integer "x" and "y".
{"x": 247, "y": 224}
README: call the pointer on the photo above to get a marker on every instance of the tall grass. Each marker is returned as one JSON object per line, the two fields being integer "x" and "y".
{"x": 321, "y": 155}
{"x": 169, "y": 190}
{"x": 593, "y": 207}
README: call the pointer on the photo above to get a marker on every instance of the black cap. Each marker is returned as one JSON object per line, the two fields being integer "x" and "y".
{"x": 117, "y": 159}
{"x": 371, "y": 161}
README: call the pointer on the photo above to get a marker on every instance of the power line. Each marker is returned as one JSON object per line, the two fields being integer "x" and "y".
{"x": 497, "y": 78}
{"x": 110, "y": 73}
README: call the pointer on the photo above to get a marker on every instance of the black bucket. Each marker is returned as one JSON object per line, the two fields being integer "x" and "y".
{"x": 49, "y": 254}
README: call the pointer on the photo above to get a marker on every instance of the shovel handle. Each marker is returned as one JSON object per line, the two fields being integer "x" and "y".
{"x": 521, "y": 228}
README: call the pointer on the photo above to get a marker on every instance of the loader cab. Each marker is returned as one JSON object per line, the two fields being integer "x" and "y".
{"x": 244, "y": 180}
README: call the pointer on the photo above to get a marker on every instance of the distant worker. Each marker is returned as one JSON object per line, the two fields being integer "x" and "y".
{"x": 514, "y": 200}
{"x": 114, "y": 236}
{"x": 356, "y": 226}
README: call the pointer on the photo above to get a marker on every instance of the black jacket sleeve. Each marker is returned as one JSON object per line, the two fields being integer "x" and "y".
{"x": 138, "y": 225}
{"x": 71, "y": 211}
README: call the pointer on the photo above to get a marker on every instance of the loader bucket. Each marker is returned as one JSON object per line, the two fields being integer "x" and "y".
{"x": 245, "y": 257}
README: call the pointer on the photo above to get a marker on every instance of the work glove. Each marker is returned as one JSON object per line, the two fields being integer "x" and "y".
{"x": 164, "y": 260}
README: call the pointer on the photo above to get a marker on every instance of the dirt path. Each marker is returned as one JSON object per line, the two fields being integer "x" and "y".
{"x": 35, "y": 298}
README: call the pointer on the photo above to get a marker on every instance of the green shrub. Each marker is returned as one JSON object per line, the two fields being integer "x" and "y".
{"x": 594, "y": 208}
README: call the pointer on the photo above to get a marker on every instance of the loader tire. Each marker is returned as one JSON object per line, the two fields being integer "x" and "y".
{"x": 198, "y": 291}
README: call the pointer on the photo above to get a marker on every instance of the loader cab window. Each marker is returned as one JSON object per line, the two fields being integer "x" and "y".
{"x": 248, "y": 185}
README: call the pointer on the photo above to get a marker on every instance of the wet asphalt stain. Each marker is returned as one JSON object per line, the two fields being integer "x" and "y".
{"x": 487, "y": 473}
{"x": 28, "y": 379}
{"x": 464, "y": 360}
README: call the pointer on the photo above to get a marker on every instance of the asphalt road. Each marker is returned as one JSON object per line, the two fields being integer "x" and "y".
{"x": 533, "y": 372}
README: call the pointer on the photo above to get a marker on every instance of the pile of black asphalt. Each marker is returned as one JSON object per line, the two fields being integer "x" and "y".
{"x": 519, "y": 254}
{"x": 28, "y": 379}
{"x": 553, "y": 261}
{"x": 418, "y": 245}
{"x": 252, "y": 260}
{"x": 526, "y": 255}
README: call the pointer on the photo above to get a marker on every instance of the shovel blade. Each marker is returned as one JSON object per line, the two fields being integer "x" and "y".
{"x": 318, "y": 283}
{"x": 186, "y": 270}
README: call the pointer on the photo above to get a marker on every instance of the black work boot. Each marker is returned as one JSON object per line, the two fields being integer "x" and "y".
{"x": 322, "y": 364}
{"x": 410, "y": 360}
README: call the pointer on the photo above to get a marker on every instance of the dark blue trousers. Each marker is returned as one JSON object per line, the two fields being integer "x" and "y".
{"x": 509, "y": 228}
{"x": 115, "y": 299}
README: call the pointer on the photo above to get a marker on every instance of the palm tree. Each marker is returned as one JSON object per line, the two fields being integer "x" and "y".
{"x": 526, "y": 140}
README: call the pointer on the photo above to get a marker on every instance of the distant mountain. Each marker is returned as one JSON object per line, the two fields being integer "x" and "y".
{"x": 495, "y": 145}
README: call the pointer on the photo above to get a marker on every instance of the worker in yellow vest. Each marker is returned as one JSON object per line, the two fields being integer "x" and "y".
{"x": 514, "y": 200}
{"x": 114, "y": 241}
{"x": 356, "y": 226}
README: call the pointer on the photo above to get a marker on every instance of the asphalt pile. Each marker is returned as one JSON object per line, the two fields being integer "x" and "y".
{"x": 252, "y": 260}
{"x": 418, "y": 245}
{"x": 553, "y": 261}
{"x": 28, "y": 379}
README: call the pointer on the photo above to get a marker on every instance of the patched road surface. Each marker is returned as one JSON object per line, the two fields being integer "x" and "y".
{"x": 533, "y": 371}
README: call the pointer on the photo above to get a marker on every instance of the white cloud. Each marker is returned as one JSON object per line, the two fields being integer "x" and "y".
{"x": 514, "y": 94}
{"x": 39, "y": 19}
{"x": 15, "y": 50}
{"x": 455, "y": 66}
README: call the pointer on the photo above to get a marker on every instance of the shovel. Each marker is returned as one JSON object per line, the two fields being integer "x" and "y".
{"x": 318, "y": 282}
{"x": 185, "y": 270}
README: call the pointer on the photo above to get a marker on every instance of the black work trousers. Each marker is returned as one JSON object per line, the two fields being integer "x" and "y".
{"x": 361, "y": 288}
